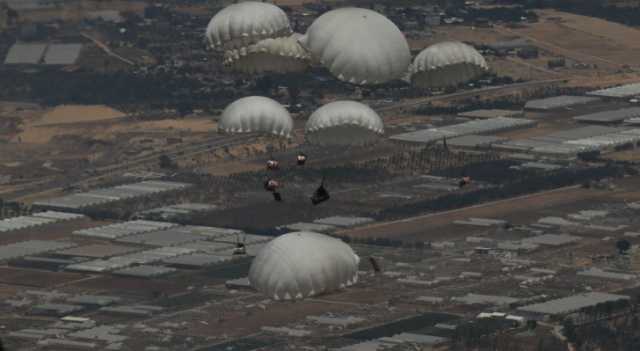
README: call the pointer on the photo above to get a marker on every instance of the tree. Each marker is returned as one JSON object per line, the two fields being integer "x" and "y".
{"x": 166, "y": 162}
{"x": 569, "y": 330}
{"x": 623, "y": 246}
{"x": 532, "y": 324}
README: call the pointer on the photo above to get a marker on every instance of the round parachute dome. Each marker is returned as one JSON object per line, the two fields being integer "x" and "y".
{"x": 256, "y": 114}
{"x": 359, "y": 46}
{"x": 447, "y": 64}
{"x": 246, "y": 23}
{"x": 280, "y": 55}
{"x": 303, "y": 264}
{"x": 344, "y": 123}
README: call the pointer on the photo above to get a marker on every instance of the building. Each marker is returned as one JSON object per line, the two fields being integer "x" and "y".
{"x": 571, "y": 304}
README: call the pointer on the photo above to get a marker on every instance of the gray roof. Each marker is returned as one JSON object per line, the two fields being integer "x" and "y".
{"x": 552, "y": 239}
{"x": 610, "y": 116}
{"x": 138, "y": 310}
{"x": 145, "y": 271}
{"x": 196, "y": 260}
{"x": 344, "y": 221}
{"x": 573, "y": 141}
{"x": 180, "y": 210}
{"x": 62, "y": 54}
{"x": 571, "y": 303}
{"x": 106, "y": 333}
{"x": 31, "y": 247}
{"x": 36, "y": 219}
{"x": 581, "y": 132}
{"x": 594, "y": 272}
{"x": 167, "y": 237}
{"x": 98, "y": 250}
{"x": 558, "y": 102}
{"x": 97, "y": 300}
{"x": 414, "y": 339}
{"x": 471, "y": 299}
{"x": 212, "y": 247}
{"x": 473, "y": 141}
{"x": 112, "y": 194}
{"x": 21, "y": 53}
{"x": 120, "y": 262}
{"x": 68, "y": 344}
{"x": 336, "y": 320}
{"x": 490, "y": 113}
{"x": 118, "y": 230}
{"x": 622, "y": 91}
{"x": 485, "y": 126}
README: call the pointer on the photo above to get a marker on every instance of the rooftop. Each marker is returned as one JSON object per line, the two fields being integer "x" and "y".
{"x": 556, "y": 102}
{"x": 571, "y": 303}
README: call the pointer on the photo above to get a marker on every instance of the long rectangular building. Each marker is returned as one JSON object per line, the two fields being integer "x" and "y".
{"x": 486, "y": 126}
{"x": 558, "y": 102}
{"x": 623, "y": 91}
{"x": 614, "y": 116}
{"x": 572, "y": 303}
{"x": 103, "y": 196}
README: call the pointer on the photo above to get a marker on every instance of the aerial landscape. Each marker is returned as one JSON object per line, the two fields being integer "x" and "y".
{"x": 344, "y": 175}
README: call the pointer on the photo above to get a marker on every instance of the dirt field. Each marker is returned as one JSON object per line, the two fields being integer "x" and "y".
{"x": 38, "y": 134}
{"x": 584, "y": 39}
{"x": 67, "y": 114}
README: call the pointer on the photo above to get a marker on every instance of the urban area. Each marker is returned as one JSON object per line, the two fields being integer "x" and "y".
{"x": 347, "y": 175}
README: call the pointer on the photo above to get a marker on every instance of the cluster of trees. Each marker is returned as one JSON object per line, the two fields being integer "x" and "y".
{"x": 479, "y": 333}
{"x": 607, "y": 326}
{"x": 153, "y": 90}
{"x": 500, "y": 14}
{"x": 13, "y": 209}
{"x": 436, "y": 159}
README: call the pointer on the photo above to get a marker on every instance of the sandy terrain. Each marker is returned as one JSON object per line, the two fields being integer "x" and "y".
{"x": 585, "y": 39}
{"x": 43, "y": 134}
{"x": 65, "y": 114}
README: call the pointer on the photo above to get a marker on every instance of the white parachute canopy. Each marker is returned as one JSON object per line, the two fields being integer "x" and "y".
{"x": 344, "y": 123}
{"x": 359, "y": 46}
{"x": 256, "y": 114}
{"x": 447, "y": 64}
{"x": 303, "y": 264}
{"x": 246, "y": 23}
{"x": 279, "y": 55}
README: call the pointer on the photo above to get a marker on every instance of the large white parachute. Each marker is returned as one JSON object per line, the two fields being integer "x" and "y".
{"x": 344, "y": 123}
{"x": 279, "y": 55}
{"x": 256, "y": 114}
{"x": 359, "y": 46}
{"x": 245, "y": 23}
{"x": 447, "y": 64}
{"x": 303, "y": 264}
